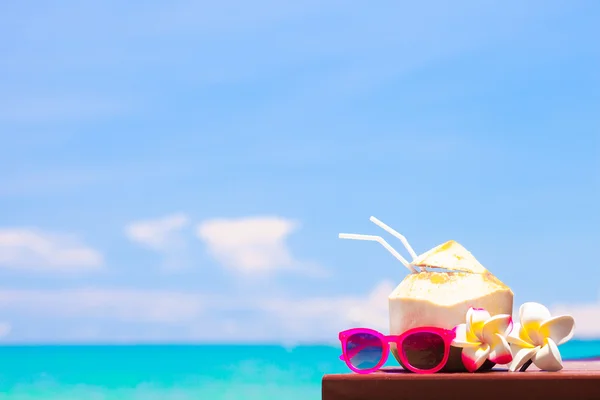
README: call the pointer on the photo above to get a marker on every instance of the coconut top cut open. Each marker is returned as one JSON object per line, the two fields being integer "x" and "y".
{"x": 449, "y": 256}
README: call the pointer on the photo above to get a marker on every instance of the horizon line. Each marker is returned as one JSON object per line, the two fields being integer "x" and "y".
{"x": 285, "y": 344}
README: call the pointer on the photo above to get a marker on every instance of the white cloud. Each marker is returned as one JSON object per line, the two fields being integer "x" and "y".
{"x": 162, "y": 235}
{"x": 587, "y": 318}
{"x": 253, "y": 244}
{"x": 157, "y": 234}
{"x": 33, "y": 249}
{"x": 155, "y": 306}
{"x": 111, "y": 314}
{"x": 5, "y": 329}
{"x": 321, "y": 318}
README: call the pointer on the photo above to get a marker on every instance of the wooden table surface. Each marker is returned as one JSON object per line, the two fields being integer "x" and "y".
{"x": 578, "y": 380}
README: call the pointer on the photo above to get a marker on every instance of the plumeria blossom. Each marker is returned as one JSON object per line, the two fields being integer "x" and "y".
{"x": 538, "y": 336}
{"x": 483, "y": 337}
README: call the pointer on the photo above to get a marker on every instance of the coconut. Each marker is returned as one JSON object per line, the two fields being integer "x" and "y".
{"x": 442, "y": 299}
{"x": 444, "y": 283}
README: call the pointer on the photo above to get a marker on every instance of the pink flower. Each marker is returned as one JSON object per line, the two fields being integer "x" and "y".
{"x": 482, "y": 338}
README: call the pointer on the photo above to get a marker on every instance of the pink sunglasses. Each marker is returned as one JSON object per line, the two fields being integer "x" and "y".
{"x": 422, "y": 350}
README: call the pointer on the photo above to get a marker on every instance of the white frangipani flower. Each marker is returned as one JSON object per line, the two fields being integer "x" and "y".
{"x": 483, "y": 337}
{"x": 538, "y": 336}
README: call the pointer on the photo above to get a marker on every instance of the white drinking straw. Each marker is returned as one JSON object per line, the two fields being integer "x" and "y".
{"x": 381, "y": 241}
{"x": 396, "y": 234}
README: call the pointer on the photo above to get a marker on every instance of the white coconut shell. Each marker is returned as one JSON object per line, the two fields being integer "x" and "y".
{"x": 441, "y": 299}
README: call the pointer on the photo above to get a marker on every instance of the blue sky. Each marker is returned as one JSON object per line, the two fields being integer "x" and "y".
{"x": 180, "y": 172}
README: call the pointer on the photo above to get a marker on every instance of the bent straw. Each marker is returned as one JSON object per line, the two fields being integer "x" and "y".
{"x": 381, "y": 241}
{"x": 396, "y": 234}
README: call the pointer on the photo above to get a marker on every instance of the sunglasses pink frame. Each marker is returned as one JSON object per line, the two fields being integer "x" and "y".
{"x": 445, "y": 334}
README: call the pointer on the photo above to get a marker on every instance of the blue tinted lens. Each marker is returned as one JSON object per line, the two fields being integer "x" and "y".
{"x": 364, "y": 350}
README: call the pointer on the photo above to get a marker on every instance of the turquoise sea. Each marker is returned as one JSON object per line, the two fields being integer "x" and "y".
{"x": 182, "y": 372}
